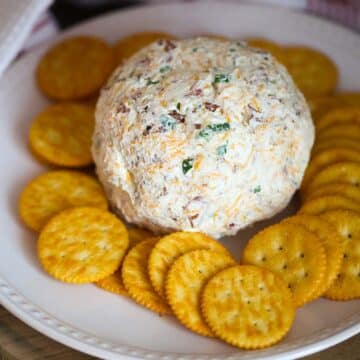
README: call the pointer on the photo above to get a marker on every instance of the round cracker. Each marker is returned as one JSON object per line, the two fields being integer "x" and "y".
{"x": 313, "y": 72}
{"x": 82, "y": 245}
{"x": 267, "y": 45}
{"x": 334, "y": 143}
{"x": 248, "y": 306}
{"x": 136, "y": 279}
{"x": 347, "y": 131}
{"x": 327, "y": 157}
{"x": 185, "y": 281}
{"x": 351, "y": 192}
{"x": 131, "y": 44}
{"x": 61, "y": 134}
{"x": 346, "y": 172}
{"x": 324, "y": 203}
{"x": 169, "y": 248}
{"x": 55, "y": 191}
{"x": 294, "y": 253}
{"x": 333, "y": 244}
{"x": 343, "y": 115}
{"x": 75, "y": 68}
{"x": 114, "y": 283}
{"x": 347, "y": 284}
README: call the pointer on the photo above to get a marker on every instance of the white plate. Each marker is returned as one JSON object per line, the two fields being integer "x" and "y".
{"x": 109, "y": 326}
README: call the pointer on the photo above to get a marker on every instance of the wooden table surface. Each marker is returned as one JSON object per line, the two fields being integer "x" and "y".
{"x": 19, "y": 341}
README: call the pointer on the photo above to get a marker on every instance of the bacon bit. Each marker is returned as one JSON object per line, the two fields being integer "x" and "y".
{"x": 147, "y": 130}
{"x": 169, "y": 45}
{"x": 195, "y": 92}
{"x": 198, "y": 126}
{"x": 136, "y": 94}
{"x": 211, "y": 107}
{"x": 145, "y": 61}
{"x": 177, "y": 116}
{"x": 122, "y": 108}
{"x": 191, "y": 218}
{"x": 231, "y": 225}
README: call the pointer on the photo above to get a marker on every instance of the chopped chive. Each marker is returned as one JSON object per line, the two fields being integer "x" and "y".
{"x": 211, "y": 129}
{"x": 222, "y": 78}
{"x": 151, "y": 82}
{"x": 221, "y": 150}
{"x": 257, "y": 189}
{"x": 178, "y": 106}
{"x": 165, "y": 68}
{"x": 187, "y": 165}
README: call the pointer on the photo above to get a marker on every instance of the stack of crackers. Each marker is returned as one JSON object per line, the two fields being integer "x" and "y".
{"x": 250, "y": 304}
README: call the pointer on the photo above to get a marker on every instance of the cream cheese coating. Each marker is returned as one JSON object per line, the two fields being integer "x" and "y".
{"x": 201, "y": 135}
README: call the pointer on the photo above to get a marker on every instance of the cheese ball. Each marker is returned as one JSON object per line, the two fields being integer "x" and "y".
{"x": 201, "y": 135}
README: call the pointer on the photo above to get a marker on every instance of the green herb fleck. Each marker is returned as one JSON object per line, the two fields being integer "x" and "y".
{"x": 211, "y": 129}
{"x": 151, "y": 82}
{"x": 232, "y": 49}
{"x": 187, "y": 165}
{"x": 222, "y": 78}
{"x": 273, "y": 81}
{"x": 164, "y": 69}
{"x": 178, "y": 106}
{"x": 194, "y": 49}
{"x": 168, "y": 122}
{"x": 221, "y": 150}
{"x": 257, "y": 189}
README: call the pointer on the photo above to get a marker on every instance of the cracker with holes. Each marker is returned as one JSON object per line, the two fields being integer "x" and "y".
{"x": 328, "y": 157}
{"x": 75, "y": 68}
{"x": 61, "y": 134}
{"x": 185, "y": 281}
{"x": 113, "y": 283}
{"x": 313, "y": 72}
{"x": 131, "y": 44}
{"x": 339, "y": 116}
{"x": 293, "y": 252}
{"x": 345, "y": 172}
{"x": 324, "y": 203}
{"x": 248, "y": 306}
{"x": 348, "y": 131}
{"x": 348, "y": 191}
{"x": 333, "y": 244}
{"x": 136, "y": 279}
{"x": 55, "y": 191}
{"x": 82, "y": 245}
{"x": 347, "y": 284}
{"x": 169, "y": 248}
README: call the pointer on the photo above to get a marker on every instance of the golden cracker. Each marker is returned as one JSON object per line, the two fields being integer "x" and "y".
{"x": 294, "y": 253}
{"x": 347, "y": 284}
{"x": 185, "y": 281}
{"x": 75, "y": 68}
{"x": 313, "y": 72}
{"x": 346, "y": 172}
{"x": 347, "y": 131}
{"x": 325, "y": 203}
{"x": 333, "y": 244}
{"x": 326, "y": 158}
{"x": 131, "y": 44}
{"x": 82, "y": 245}
{"x": 61, "y": 134}
{"x": 136, "y": 279}
{"x": 267, "y": 45}
{"x": 169, "y": 248}
{"x": 348, "y": 191}
{"x": 137, "y": 235}
{"x": 55, "y": 191}
{"x": 113, "y": 283}
{"x": 323, "y": 144}
{"x": 248, "y": 306}
{"x": 343, "y": 115}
